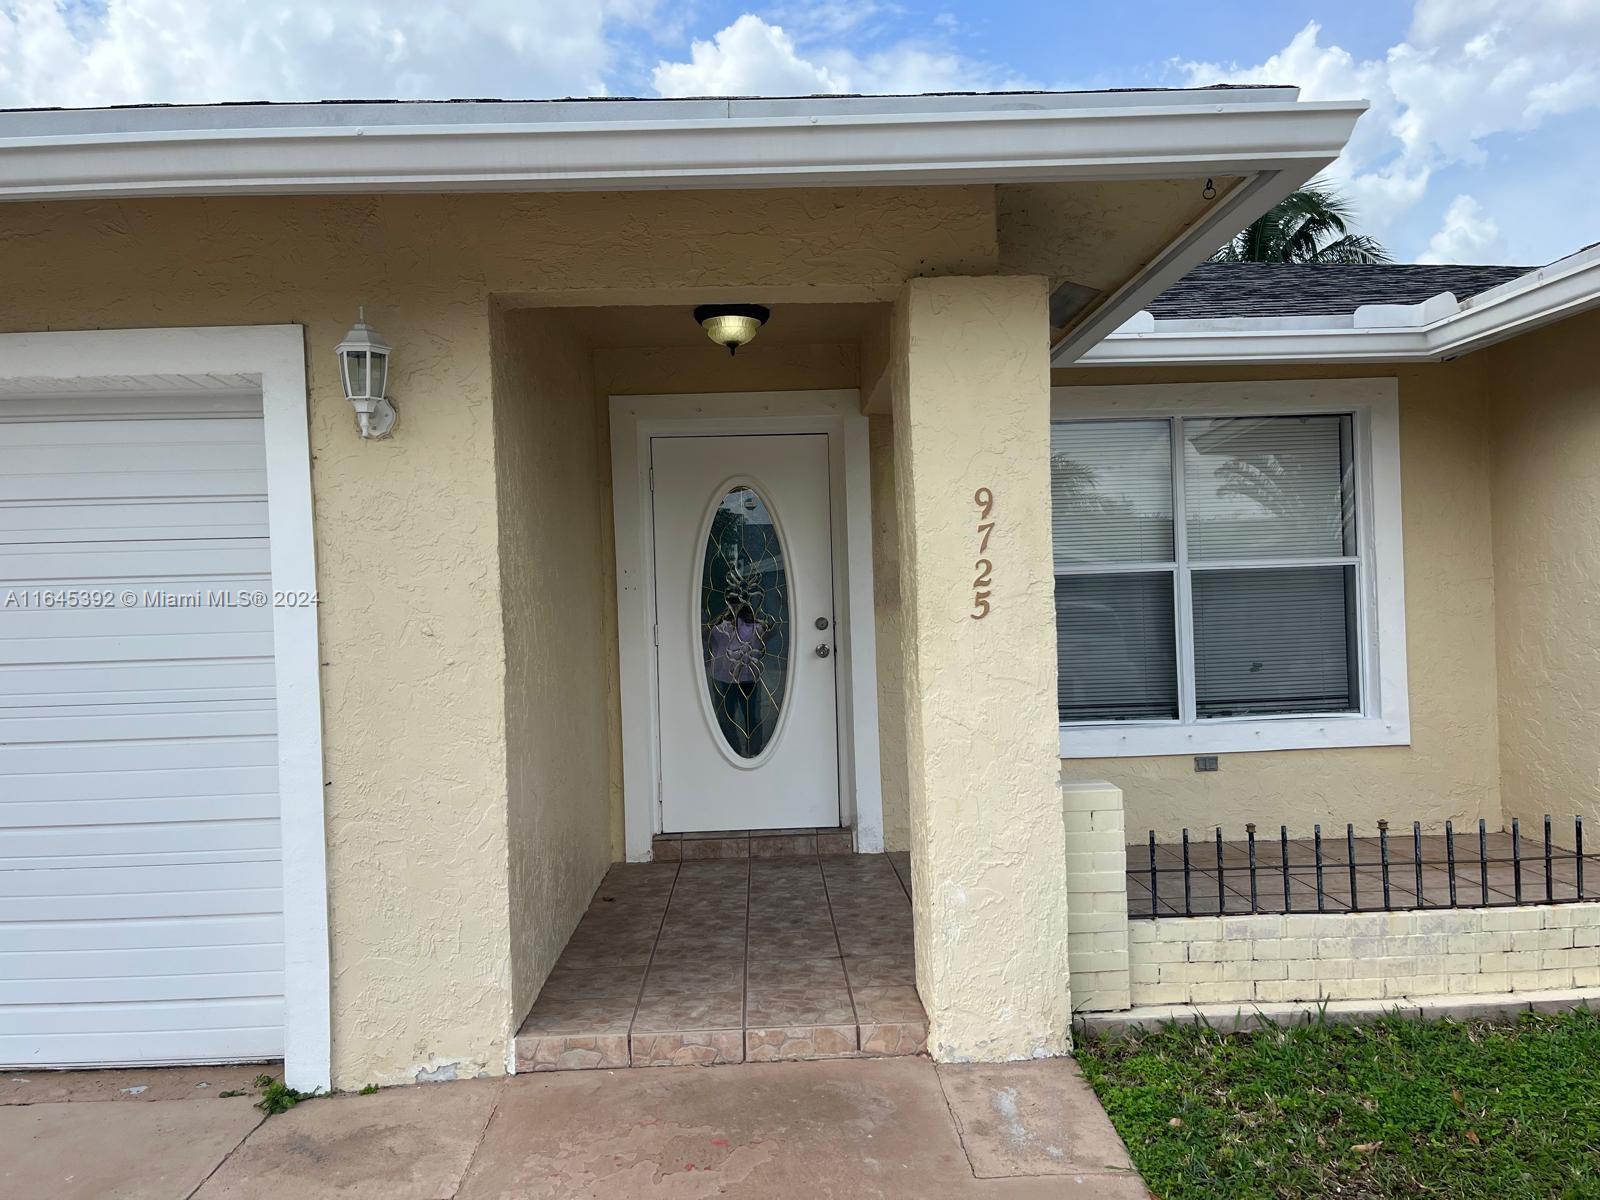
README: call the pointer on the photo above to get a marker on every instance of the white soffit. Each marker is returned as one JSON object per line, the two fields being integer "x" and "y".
{"x": 1437, "y": 329}
{"x": 621, "y": 144}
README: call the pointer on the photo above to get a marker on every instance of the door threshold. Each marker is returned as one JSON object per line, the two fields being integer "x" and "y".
{"x": 752, "y": 843}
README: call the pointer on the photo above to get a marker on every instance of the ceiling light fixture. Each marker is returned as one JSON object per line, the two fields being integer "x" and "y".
{"x": 731, "y": 325}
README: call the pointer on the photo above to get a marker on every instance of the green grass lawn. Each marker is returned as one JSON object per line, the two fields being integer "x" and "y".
{"x": 1396, "y": 1108}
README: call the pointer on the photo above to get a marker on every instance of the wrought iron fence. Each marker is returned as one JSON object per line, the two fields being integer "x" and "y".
{"x": 1356, "y": 874}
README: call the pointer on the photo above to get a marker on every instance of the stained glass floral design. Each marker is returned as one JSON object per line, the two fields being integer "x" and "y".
{"x": 745, "y": 621}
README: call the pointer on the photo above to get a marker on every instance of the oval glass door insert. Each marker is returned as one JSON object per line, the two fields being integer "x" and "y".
{"x": 745, "y": 621}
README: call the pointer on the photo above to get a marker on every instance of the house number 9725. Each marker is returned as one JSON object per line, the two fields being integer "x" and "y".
{"x": 981, "y": 583}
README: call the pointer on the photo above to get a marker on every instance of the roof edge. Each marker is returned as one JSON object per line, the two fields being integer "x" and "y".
{"x": 1435, "y": 330}
{"x": 719, "y": 144}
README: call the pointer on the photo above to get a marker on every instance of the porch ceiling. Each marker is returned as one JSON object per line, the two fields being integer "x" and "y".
{"x": 612, "y": 327}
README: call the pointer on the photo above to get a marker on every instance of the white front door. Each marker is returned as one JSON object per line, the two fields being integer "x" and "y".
{"x": 745, "y": 632}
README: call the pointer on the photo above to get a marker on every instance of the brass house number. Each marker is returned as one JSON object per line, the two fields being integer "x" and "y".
{"x": 984, "y": 499}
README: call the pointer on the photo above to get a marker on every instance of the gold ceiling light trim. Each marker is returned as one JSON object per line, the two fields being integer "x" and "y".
{"x": 731, "y": 325}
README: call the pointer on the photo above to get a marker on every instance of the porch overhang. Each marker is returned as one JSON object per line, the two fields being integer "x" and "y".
{"x": 1258, "y": 143}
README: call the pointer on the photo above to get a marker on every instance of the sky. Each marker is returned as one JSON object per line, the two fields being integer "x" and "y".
{"x": 1482, "y": 144}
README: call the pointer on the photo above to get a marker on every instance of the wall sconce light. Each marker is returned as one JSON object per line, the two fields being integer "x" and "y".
{"x": 364, "y": 371}
{"x": 731, "y": 325}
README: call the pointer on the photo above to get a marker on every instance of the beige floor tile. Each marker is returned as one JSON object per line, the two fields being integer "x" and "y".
{"x": 881, "y": 1005}
{"x": 794, "y": 944}
{"x": 678, "y": 1012}
{"x": 612, "y": 979}
{"x": 580, "y": 1015}
{"x": 668, "y": 976}
{"x": 692, "y": 1048}
{"x": 881, "y": 970}
{"x": 799, "y": 1004}
{"x": 801, "y": 972}
{"x": 894, "y": 1038}
{"x": 799, "y": 1042}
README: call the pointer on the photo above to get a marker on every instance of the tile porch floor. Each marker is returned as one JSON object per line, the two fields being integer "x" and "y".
{"x": 1499, "y": 874}
{"x": 734, "y": 960}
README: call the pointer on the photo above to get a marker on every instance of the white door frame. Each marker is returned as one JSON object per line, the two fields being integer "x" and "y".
{"x": 637, "y": 419}
{"x": 275, "y": 354}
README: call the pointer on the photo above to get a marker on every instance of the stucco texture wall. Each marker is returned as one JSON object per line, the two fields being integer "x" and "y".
{"x": 1545, "y": 394}
{"x": 557, "y": 644}
{"x": 407, "y": 536}
{"x": 970, "y": 396}
{"x": 1451, "y": 768}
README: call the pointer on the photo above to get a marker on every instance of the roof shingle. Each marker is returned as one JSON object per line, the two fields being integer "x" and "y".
{"x": 1214, "y": 290}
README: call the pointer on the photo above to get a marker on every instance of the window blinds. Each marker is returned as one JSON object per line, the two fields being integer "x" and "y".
{"x": 1274, "y": 641}
{"x": 1111, "y": 488}
{"x": 1116, "y": 647}
{"x": 1267, "y": 567}
{"x": 1267, "y": 487}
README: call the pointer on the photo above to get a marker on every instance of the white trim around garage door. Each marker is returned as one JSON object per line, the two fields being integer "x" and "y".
{"x": 634, "y": 421}
{"x": 276, "y": 355}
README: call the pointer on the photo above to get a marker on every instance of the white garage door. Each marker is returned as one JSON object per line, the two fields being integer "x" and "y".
{"x": 140, "y": 876}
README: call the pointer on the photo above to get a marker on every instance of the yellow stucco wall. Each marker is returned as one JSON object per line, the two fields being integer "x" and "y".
{"x": 407, "y": 533}
{"x": 970, "y": 394}
{"x": 1545, "y": 393}
{"x": 557, "y": 616}
{"x": 1451, "y": 768}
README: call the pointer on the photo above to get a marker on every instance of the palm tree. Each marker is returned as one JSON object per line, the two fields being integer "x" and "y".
{"x": 1311, "y": 225}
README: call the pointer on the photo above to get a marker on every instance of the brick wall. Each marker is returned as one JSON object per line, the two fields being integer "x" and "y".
{"x": 1364, "y": 956}
{"x": 1097, "y": 897}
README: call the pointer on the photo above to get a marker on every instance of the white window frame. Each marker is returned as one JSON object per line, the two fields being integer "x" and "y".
{"x": 1385, "y": 716}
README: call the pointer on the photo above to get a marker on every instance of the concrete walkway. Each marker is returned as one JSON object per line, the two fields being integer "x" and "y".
{"x": 850, "y": 1128}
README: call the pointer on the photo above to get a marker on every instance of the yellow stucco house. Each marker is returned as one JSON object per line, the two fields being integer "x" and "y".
{"x": 340, "y": 672}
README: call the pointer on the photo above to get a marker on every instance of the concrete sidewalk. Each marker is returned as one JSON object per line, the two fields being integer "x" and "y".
{"x": 849, "y": 1128}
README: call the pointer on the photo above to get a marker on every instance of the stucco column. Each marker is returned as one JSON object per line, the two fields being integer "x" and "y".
{"x": 971, "y": 401}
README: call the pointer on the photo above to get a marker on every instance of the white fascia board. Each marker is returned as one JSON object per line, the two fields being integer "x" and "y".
{"x": 1542, "y": 297}
{"x": 1260, "y": 346}
{"x": 818, "y": 144}
{"x": 1563, "y": 289}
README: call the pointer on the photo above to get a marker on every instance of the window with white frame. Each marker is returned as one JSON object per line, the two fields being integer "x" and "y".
{"x": 1216, "y": 573}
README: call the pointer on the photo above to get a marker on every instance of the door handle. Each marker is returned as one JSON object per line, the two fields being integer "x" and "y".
{"x": 824, "y": 650}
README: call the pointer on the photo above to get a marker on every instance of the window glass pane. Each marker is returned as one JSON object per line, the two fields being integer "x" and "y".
{"x": 744, "y": 620}
{"x": 1275, "y": 640}
{"x": 1115, "y": 646}
{"x": 1269, "y": 487}
{"x": 1111, "y": 491}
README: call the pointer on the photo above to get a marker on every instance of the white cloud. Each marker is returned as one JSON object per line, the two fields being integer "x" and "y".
{"x": 1468, "y": 235}
{"x": 748, "y": 58}
{"x": 1467, "y": 70}
{"x": 815, "y": 20}
{"x": 753, "y": 57}
{"x": 145, "y": 51}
